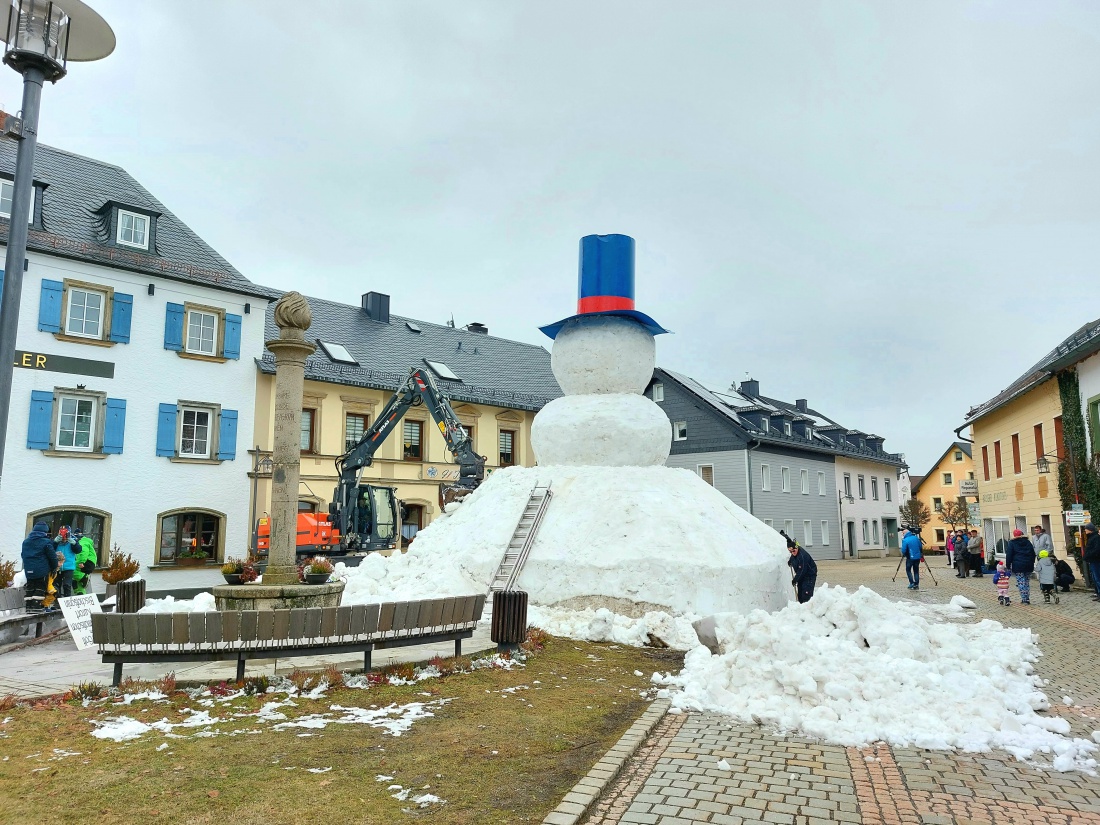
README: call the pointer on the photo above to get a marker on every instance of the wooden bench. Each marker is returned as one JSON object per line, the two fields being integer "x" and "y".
{"x": 14, "y": 598}
{"x": 271, "y": 634}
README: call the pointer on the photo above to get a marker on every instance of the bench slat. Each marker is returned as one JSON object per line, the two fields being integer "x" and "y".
{"x": 297, "y": 623}
{"x": 114, "y": 628}
{"x": 99, "y": 628}
{"x": 248, "y": 626}
{"x": 164, "y": 628}
{"x": 328, "y": 622}
{"x": 196, "y": 628}
{"x": 374, "y": 614}
{"x": 147, "y": 628}
{"x": 385, "y": 617}
{"x": 130, "y": 629}
{"x": 180, "y": 628}
{"x": 450, "y": 607}
{"x": 400, "y": 611}
{"x": 435, "y": 614}
{"x": 479, "y": 606}
{"x": 358, "y": 619}
{"x": 312, "y": 623}
{"x": 231, "y": 626}
{"x": 281, "y": 620}
{"x": 213, "y": 627}
{"x": 265, "y": 625}
{"x": 343, "y": 621}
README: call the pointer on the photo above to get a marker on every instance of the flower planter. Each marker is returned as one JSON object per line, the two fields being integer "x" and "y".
{"x": 317, "y": 578}
{"x": 232, "y": 578}
{"x": 190, "y": 561}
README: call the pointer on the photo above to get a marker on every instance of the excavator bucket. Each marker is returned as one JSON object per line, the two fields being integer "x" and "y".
{"x": 452, "y": 492}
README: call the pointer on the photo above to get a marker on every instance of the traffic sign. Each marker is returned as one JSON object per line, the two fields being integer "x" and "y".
{"x": 1076, "y": 518}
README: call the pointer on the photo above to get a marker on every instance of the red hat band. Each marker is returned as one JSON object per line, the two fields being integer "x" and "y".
{"x": 603, "y": 303}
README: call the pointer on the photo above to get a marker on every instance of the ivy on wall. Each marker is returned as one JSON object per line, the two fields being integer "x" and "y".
{"x": 1077, "y": 466}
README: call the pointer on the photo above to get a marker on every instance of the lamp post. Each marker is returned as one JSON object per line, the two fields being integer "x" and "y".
{"x": 41, "y": 37}
{"x": 261, "y": 464}
{"x": 840, "y": 502}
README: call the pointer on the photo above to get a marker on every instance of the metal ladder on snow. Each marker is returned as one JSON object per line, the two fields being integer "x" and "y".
{"x": 522, "y": 538}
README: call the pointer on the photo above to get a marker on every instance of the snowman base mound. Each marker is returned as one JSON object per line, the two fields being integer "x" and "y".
{"x": 656, "y": 538}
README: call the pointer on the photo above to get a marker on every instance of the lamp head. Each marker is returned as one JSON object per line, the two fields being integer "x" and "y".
{"x": 46, "y": 34}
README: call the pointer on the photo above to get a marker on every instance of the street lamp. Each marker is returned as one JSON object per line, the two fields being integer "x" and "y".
{"x": 262, "y": 464}
{"x": 840, "y": 499}
{"x": 41, "y": 37}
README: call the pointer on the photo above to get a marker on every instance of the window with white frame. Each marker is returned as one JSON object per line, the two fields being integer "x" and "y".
{"x": 886, "y": 488}
{"x": 866, "y": 533}
{"x": 861, "y": 487}
{"x": 764, "y": 427}
{"x": 874, "y": 530}
{"x": 821, "y": 484}
{"x": 76, "y": 423}
{"x": 786, "y": 428}
{"x": 874, "y": 488}
{"x": 809, "y": 432}
{"x": 133, "y": 229}
{"x": 765, "y": 477}
{"x": 937, "y": 503}
{"x": 658, "y": 392}
{"x": 706, "y": 472}
{"x": 202, "y": 332}
{"x": 679, "y": 430}
{"x": 84, "y": 312}
{"x": 808, "y": 533}
{"x": 785, "y": 475}
{"x": 847, "y": 485}
{"x": 7, "y": 192}
{"x": 195, "y": 432}
{"x": 768, "y": 522}
{"x": 825, "y": 533}
{"x": 804, "y": 481}
{"x": 788, "y": 526}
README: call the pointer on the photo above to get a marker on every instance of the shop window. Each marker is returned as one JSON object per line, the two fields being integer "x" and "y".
{"x": 507, "y": 448}
{"x": 95, "y": 524}
{"x": 413, "y": 445}
{"x": 189, "y": 533}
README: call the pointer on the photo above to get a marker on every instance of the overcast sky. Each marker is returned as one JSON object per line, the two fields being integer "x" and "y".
{"x": 890, "y": 209}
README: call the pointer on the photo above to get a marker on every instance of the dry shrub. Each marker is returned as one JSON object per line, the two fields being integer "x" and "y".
{"x": 304, "y": 680}
{"x": 120, "y": 567}
{"x": 256, "y": 685}
{"x": 222, "y": 688}
{"x": 132, "y": 685}
{"x": 400, "y": 670}
{"x": 8, "y": 702}
{"x": 334, "y": 676}
{"x": 86, "y": 690}
{"x": 536, "y": 640}
{"x": 7, "y": 573}
{"x": 166, "y": 684}
{"x": 444, "y": 666}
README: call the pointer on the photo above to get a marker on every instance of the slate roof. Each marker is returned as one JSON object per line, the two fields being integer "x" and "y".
{"x": 1082, "y": 343}
{"x": 733, "y": 401}
{"x": 70, "y": 223}
{"x": 493, "y": 370}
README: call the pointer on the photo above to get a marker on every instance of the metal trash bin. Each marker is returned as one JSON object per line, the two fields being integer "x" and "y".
{"x": 509, "y": 627}
{"x": 130, "y": 596}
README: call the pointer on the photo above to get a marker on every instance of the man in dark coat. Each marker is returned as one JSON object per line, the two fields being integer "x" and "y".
{"x": 39, "y": 561}
{"x": 1063, "y": 574}
{"x": 803, "y": 570}
{"x": 1092, "y": 556}
{"x": 1020, "y": 560}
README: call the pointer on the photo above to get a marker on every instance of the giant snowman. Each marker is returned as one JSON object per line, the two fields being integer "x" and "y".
{"x": 622, "y": 530}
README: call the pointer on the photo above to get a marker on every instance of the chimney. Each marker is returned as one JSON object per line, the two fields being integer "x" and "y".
{"x": 802, "y": 405}
{"x": 751, "y": 388}
{"x": 377, "y": 306}
{"x": 480, "y": 329}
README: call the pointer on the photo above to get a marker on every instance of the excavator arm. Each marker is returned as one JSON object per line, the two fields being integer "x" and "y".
{"x": 349, "y": 507}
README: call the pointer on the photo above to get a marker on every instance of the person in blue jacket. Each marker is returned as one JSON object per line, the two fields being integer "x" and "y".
{"x": 911, "y": 550}
{"x": 803, "y": 570}
{"x": 68, "y": 547}
{"x": 1020, "y": 561}
{"x": 39, "y": 561}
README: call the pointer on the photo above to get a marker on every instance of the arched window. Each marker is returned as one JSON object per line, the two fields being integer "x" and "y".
{"x": 96, "y": 524}
{"x": 188, "y": 537}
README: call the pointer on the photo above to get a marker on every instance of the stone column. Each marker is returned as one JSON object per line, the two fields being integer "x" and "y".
{"x": 292, "y": 317}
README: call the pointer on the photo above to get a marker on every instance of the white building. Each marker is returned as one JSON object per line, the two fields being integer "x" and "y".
{"x": 133, "y": 398}
{"x": 870, "y": 493}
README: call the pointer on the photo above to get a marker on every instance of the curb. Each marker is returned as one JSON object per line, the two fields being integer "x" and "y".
{"x": 575, "y": 804}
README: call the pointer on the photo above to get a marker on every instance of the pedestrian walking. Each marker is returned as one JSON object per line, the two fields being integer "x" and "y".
{"x": 1064, "y": 577}
{"x": 803, "y": 570}
{"x": 86, "y": 560}
{"x": 975, "y": 547}
{"x": 68, "y": 548}
{"x": 1040, "y": 540}
{"x": 1045, "y": 570}
{"x": 39, "y": 563}
{"x": 1092, "y": 557}
{"x": 1000, "y": 581}
{"x": 911, "y": 551}
{"x": 1020, "y": 561}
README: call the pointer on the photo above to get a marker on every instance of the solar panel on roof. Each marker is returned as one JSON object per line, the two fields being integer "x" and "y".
{"x": 337, "y": 353}
{"x": 442, "y": 370}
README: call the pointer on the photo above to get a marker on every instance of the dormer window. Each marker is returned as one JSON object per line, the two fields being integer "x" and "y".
{"x": 7, "y": 193}
{"x": 764, "y": 424}
{"x": 133, "y": 229}
{"x": 786, "y": 428}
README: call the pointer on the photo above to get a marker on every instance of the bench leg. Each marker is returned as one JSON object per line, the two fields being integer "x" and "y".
{"x": 458, "y": 647}
{"x": 38, "y": 630}
{"x": 117, "y": 675}
{"x": 240, "y": 670}
{"x": 366, "y": 660}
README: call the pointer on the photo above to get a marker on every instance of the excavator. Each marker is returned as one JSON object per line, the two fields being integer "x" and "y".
{"x": 363, "y": 517}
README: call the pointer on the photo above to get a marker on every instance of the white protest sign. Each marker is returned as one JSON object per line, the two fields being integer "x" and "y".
{"x": 78, "y": 611}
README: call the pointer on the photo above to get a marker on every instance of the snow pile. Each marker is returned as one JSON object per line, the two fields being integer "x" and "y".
{"x": 601, "y": 625}
{"x": 855, "y": 668}
{"x": 202, "y": 603}
{"x": 660, "y": 539}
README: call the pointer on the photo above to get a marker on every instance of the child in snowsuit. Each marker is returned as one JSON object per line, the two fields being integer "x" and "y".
{"x": 1000, "y": 581}
{"x": 67, "y": 546}
{"x": 1046, "y": 571}
{"x": 86, "y": 560}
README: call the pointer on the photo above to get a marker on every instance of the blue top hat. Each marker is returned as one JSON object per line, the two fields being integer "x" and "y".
{"x": 606, "y": 283}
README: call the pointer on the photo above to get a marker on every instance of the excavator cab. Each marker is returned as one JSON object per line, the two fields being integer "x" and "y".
{"x": 371, "y": 521}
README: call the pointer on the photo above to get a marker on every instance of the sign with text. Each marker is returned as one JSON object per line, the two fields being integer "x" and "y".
{"x": 1077, "y": 518}
{"x": 78, "y": 611}
{"x": 975, "y": 514}
{"x": 63, "y": 363}
{"x": 968, "y": 486}
{"x": 440, "y": 472}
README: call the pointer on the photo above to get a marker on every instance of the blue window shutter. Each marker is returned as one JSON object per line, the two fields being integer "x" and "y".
{"x": 173, "y": 327}
{"x": 166, "y": 430}
{"x": 232, "y": 347}
{"x": 38, "y": 432}
{"x": 114, "y": 426}
{"x": 49, "y": 306}
{"x": 227, "y": 435}
{"x": 121, "y": 311}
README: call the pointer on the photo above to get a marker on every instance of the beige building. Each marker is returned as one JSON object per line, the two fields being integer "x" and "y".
{"x": 941, "y": 484}
{"x": 495, "y": 387}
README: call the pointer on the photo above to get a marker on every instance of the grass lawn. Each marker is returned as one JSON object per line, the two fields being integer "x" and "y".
{"x": 505, "y": 748}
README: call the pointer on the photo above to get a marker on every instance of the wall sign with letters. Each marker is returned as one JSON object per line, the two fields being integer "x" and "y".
{"x": 63, "y": 363}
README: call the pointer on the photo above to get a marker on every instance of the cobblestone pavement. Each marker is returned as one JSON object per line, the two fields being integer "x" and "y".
{"x": 675, "y": 777}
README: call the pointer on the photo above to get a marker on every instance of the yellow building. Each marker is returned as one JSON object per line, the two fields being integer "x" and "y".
{"x": 941, "y": 485}
{"x": 495, "y": 387}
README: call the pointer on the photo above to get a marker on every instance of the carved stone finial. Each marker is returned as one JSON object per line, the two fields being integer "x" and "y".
{"x": 292, "y": 315}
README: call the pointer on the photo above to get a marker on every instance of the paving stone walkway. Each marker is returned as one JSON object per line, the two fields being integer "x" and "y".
{"x": 675, "y": 778}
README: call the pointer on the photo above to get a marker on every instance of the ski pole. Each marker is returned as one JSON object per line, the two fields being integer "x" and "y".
{"x": 930, "y": 573}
